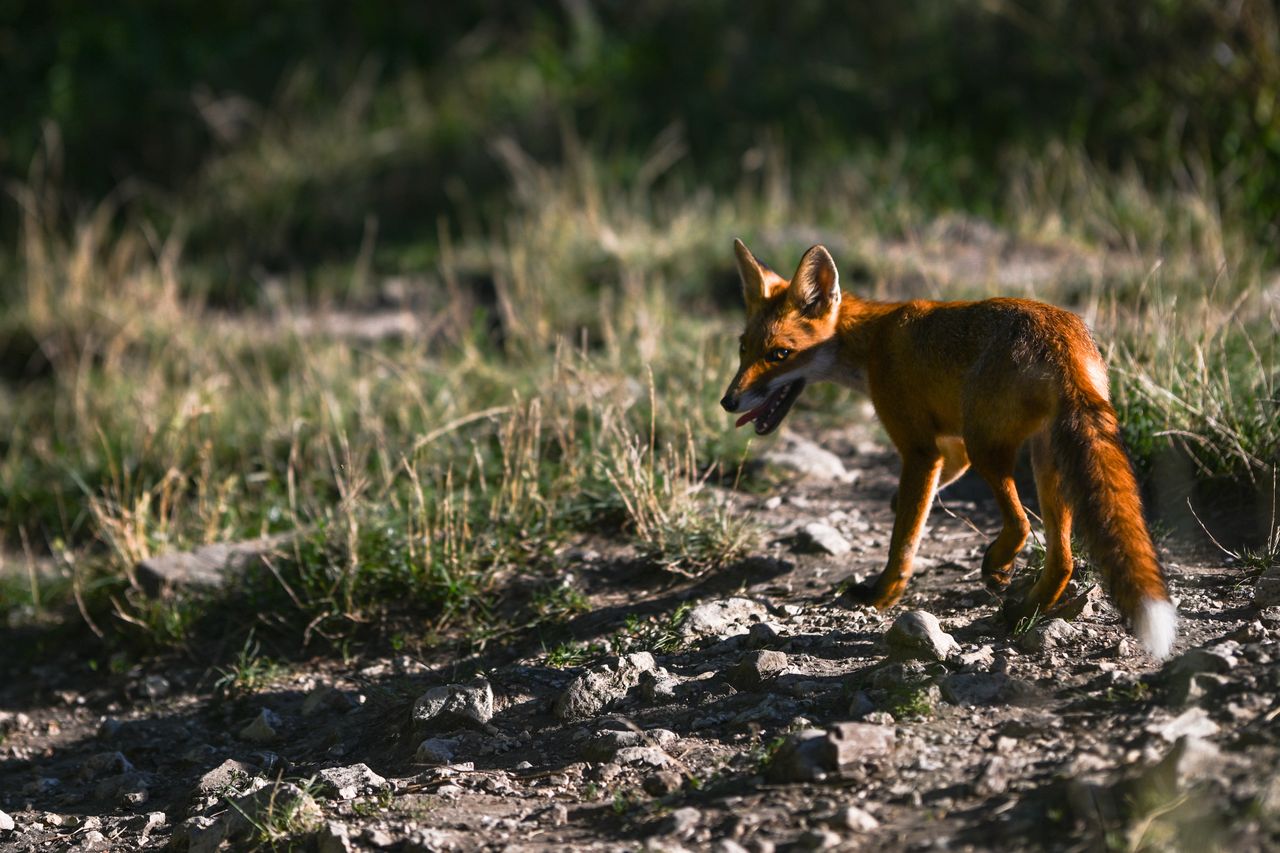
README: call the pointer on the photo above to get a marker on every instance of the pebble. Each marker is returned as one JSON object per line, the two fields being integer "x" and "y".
{"x": 754, "y": 669}
{"x": 723, "y": 618}
{"x": 823, "y": 538}
{"x": 918, "y": 634}
{"x": 265, "y": 728}
{"x": 595, "y": 690}
{"x": 347, "y": 783}
{"x": 469, "y": 703}
{"x": 1050, "y": 634}
{"x": 661, "y": 783}
{"x": 812, "y": 754}
{"x": 436, "y": 750}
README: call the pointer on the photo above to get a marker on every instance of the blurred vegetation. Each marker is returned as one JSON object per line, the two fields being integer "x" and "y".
{"x": 548, "y": 193}
{"x": 389, "y": 111}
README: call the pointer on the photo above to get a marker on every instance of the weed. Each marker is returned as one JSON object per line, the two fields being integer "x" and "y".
{"x": 249, "y": 673}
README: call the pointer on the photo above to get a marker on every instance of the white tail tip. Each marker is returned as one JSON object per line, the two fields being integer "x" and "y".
{"x": 1156, "y": 625}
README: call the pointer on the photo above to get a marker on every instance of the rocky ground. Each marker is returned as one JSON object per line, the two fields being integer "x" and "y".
{"x": 747, "y": 709}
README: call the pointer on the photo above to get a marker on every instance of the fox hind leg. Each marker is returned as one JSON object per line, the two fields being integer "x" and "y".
{"x": 1057, "y": 530}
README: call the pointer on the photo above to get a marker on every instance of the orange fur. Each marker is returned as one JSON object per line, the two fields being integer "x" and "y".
{"x": 960, "y": 384}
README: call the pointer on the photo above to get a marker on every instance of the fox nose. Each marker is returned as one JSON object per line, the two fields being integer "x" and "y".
{"x": 729, "y": 402}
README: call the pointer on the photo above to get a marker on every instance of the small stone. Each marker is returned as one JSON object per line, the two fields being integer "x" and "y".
{"x": 333, "y": 837}
{"x": 376, "y": 836}
{"x": 681, "y": 822}
{"x": 104, "y": 763}
{"x": 268, "y": 803}
{"x": 728, "y": 617}
{"x": 658, "y": 688}
{"x": 128, "y": 789}
{"x": 6, "y": 823}
{"x": 1194, "y": 723}
{"x": 855, "y": 819}
{"x": 972, "y": 689}
{"x": 978, "y": 660}
{"x": 754, "y": 669}
{"x": 764, "y": 634}
{"x": 207, "y": 567}
{"x": 727, "y": 845}
{"x": 199, "y": 834}
{"x": 994, "y": 777}
{"x": 327, "y": 698}
{"x": 265, "y": 728}
{"x": 661, "y": 783}
{"x": 347, "y": 783}
{"x": 823, "y": 538}
{"x": 1050, "y": 634}
{"x": 649, "y": 755}
{"x": 436, "y": 750}
{"x": 811, "y": 754}
{"x": 230, "y": 775}
{"x": 918, "y": 634}
{"x": 803, "y": 456}
{"x": 1190, "y": 760}
{"x": 156, "y": 687}
{"x": 453, "y": 704}
{"x": 1266, "y": 591}
{"x": 601, "y": 686}
{"x": 819, "y": 839}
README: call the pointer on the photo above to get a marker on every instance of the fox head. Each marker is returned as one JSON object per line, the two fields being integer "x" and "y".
{"x": 789, "y": 338}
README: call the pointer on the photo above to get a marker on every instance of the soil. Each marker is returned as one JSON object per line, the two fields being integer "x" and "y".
{"x": 1083, "y": 742}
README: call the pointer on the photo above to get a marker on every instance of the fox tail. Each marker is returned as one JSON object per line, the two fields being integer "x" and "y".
{"x": 1101, "y": 489}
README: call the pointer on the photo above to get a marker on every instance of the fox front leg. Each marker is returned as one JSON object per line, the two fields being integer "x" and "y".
{"x": 916, "y": 488}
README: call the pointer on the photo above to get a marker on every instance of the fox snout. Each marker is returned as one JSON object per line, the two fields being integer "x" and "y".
{"x": 730, "y": 402}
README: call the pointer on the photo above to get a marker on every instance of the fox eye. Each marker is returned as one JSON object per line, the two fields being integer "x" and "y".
{"x": 779, "y": 354}
{"x": 742, "y": 349}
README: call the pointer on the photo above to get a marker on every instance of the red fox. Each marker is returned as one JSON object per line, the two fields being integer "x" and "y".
{"x": 960, "y": 384}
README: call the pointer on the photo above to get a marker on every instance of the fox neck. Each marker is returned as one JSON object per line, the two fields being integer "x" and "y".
{"x": 857, "y": 327}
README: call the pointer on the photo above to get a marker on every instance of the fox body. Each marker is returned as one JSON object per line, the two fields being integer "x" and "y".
{"x": 959, "y": 385}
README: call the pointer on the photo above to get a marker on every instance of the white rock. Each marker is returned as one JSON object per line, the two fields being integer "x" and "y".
{"x": 1051, "y": 634}
{"x": 265, "y": 727}
{"x": 347, "y": 783}
{"x": 727, "y": 617}
{"x": 825, "y": 538}
{"x": 436, "y": 750}
{"x": 469, "y": 703}
{"x": 1266, "y": 592}
{"x": 918, "y": 634}
{"x": 1193, "y": 722}
{"x": 6, "y": 823}
{"x": 805, "y": 457}
{"x": 856, "y": 819}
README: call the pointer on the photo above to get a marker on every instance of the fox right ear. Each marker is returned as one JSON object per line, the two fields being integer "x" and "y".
{"x": 759, "y": 283}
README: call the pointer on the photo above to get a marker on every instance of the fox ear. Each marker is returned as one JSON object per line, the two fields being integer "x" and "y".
{"x": 815, "y": 288}
{"x": 759, "y": 283}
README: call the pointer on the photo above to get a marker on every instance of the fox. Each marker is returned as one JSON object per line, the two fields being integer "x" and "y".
{"x": 960, "y": 385}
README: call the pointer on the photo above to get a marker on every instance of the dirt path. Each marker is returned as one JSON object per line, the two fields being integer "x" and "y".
{"x": 1062, "y": 738}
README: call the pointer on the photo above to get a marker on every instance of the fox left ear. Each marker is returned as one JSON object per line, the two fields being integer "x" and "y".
{"x": 815, "y": 288}
{"x": 759, "y": 283}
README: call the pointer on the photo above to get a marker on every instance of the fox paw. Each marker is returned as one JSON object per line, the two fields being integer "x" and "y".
{"x": 996, "y": 577}
{"x": 859, "y": 594}
{"x": 866, "y": 593}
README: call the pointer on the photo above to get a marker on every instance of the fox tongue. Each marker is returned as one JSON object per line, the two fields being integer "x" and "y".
{"x": 753, "y": 414}
{"x": 760, "y": 409}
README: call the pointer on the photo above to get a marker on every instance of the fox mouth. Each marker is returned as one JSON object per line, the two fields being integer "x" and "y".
{"x": 770, "y": 413}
